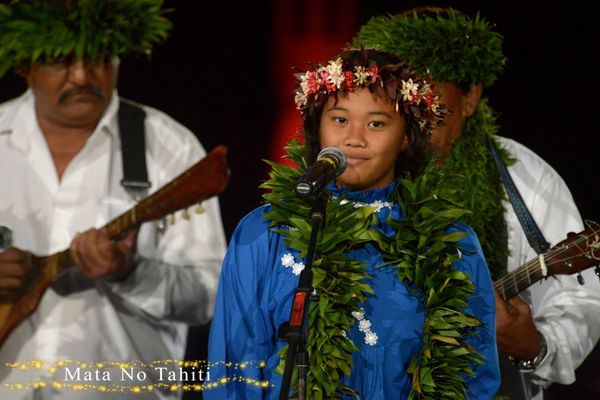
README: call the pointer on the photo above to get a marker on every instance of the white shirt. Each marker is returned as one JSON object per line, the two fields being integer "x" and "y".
{"x": 565, "y": 312}
{"x": 143, "y": 319}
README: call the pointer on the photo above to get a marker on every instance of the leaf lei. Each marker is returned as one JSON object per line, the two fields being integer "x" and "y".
{"x": 423, "y": 252}
{"x": 341, "y": 285}
{"x": 483, "y": 191}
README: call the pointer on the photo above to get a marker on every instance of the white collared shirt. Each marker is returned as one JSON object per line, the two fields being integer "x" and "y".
{"x": 564, "y": 311}
{"x": 141, "y": 319}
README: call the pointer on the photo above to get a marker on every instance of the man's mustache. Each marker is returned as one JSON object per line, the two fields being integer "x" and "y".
{"x": 86, "y": 89}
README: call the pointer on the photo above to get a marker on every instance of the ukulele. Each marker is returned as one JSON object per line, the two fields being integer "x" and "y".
{"x": 579, "y": 251}
{"x": 207, "y": 178}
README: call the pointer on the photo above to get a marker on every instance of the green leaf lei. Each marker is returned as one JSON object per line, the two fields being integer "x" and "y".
{"x": 422, "y": 250}
{"x": 483, "y": 191}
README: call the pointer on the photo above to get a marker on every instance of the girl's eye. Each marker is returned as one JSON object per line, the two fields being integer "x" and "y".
{"x": 340, "y": 120}
{"x": 376, "y": 124}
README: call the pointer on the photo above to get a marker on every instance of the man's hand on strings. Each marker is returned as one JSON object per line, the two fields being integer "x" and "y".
{"x": 96, "y": 255}
{"x": 516, "y": 333}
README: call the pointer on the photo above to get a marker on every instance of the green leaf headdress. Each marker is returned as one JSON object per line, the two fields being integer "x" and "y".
{"x": 40, "y": 30}
{"x": 454, "y": 47}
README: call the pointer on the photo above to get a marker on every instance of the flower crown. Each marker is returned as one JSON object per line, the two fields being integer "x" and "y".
{"x": 412, "y": 95}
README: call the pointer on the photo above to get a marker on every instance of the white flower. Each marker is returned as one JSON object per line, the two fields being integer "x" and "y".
{"x": 409, "y": 89}
{"x": 361, "y": 75}
{"x": 304, "y": 83}
{"x": 335, "y": 74}
{"x": 297, "y": 268}
{"x": 287, "y": 260}
{"x": 336, "y": 80}
{"x": 334, "y": 67}
{"x": 300, "y": 100}
{"x": 364, "y": 325}
{"x": 371, "y": 338}
{"x": 379, "y": 205}
{"x": 358, "y": 315}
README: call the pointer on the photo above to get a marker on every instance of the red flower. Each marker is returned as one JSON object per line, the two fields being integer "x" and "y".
{"x": 429, "y": 99}
{"x": 349, "y": 81}
{"x": 416, "y": 97}
{"x": 374, "y": 73}
{"x": 313, "y": 82}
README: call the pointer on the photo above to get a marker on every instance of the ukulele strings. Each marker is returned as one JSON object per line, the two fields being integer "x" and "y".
{"x": 531, "y": 269}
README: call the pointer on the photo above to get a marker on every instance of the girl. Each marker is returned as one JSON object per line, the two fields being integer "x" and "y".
{"x": 404, "y": 302}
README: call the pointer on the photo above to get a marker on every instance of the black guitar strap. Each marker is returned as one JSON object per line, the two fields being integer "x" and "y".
{"x": 133, "y": 147}
{"x": 535, "y": 237}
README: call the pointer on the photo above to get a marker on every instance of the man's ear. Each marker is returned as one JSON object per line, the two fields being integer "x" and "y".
{"x": 471, "y": 99}
{"x": 23, "y": 71}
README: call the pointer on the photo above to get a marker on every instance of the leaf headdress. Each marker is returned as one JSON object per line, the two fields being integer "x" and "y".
{"x": 451, "y": 45}
{"x": 46, "y": 30}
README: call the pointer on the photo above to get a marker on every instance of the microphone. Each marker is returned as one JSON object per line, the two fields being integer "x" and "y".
{"x": 331, "y": 162}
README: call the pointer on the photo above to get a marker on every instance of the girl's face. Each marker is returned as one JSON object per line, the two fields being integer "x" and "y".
{"x": 369, "y": 131}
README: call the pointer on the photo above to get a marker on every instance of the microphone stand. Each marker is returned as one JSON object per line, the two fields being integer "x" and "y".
{"x": 295, "y": 330}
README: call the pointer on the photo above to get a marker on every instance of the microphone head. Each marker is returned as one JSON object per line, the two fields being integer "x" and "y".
{"x": 335, "y": 154}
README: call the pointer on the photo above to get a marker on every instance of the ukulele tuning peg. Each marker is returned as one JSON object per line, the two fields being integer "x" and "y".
{"x": 185, "y": 214}
{"x": 173, "y": 219}
{"x": 580, "y": 279}
{"x": 199, "y": 209}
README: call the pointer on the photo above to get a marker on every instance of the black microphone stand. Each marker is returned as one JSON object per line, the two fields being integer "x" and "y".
{"x": 295, "y": 330}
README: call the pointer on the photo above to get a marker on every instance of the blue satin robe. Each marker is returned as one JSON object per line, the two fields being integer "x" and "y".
{"x": 258, "y": 280}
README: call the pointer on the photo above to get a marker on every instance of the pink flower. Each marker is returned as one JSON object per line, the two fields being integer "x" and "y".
{"x": 329, "y": 85}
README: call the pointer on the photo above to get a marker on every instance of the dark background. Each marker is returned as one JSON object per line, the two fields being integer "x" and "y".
{"x": 215, "y": 76}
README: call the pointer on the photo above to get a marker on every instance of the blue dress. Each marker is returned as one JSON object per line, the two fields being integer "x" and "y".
{"x": 258, "y": 279}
